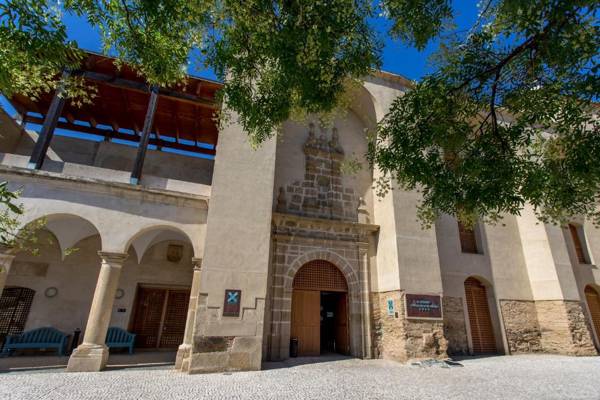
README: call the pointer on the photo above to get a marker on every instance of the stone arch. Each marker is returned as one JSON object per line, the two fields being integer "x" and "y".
{"x": 326, "y": 255}
{"x": 366, "y": 106}
{"x": 150, "y": 235}
{"x": 68, "y": 229}
{"x": 484, "y": 281}
{"x": 285, "y": 301}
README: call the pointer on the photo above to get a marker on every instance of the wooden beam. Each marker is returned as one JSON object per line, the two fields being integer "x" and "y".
{"x": 40, "y": 148}
{"x": 136, "y": 174}
{"x": 142, "y": 87}
{"x": 123, "y": 136}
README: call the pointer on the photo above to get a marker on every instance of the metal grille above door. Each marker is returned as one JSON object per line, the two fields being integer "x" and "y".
{"x": 320, "y": 275}
{"x": 593, "y": 300}
{"x": 480, "y": 321}
{"x": 15, "y": 304}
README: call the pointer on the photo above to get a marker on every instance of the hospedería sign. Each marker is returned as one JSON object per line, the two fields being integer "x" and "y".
{"x": 423, "y": 306}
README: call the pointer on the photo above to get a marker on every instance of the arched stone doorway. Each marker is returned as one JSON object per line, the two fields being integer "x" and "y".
{"x": 483, "y": 339}
{"x": 320, "y": 317}
{"x": 593, "y": 301}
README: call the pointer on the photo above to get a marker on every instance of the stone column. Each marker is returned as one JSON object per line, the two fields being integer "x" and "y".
{"x": 185, "y": 349}
{"x": 92, "y": 354}
{"x": 363, "y": 256}
{"x": 6, "y": 261}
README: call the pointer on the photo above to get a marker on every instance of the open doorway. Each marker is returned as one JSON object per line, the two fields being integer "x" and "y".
{"x": 320, "y": 310}
{"x": 334, "y": 323}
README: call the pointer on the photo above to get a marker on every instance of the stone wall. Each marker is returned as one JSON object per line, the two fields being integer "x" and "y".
{"x": 298, "y": 240}
{"x": 565, "y": 330}
{"x": 455, "y": 329}
{"x": 321, "y": 193}
{"x": 397, "y": 338}
{"x": 521, "y": 325}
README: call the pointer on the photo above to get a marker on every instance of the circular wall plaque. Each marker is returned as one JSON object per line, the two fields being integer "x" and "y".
{"x": 51, "y": 292}
{"x": 120, "y": 293}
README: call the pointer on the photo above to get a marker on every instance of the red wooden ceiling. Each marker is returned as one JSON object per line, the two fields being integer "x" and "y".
{"x": 183, "y": 112}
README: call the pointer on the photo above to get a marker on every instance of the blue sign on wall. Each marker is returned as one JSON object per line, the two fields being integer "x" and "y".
{"x": 233, "y": 300}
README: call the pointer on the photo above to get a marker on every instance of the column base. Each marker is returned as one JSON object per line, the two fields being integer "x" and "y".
{"x": 88, "y": 358}
{"x": 182, "y": 360}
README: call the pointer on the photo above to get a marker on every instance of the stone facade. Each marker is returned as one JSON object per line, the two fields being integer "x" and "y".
{"x": 271, "y": 211}
{"x": 321, "y": 193}
{"x": 401, "y": 339}
{"x": 455, "y": 329}
{"x": 318, "y": 219}
{"x": 564, "y": 328}
{"x": 521, "y": 325}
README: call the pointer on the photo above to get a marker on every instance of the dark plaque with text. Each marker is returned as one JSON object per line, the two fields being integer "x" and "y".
{"x": 423, "y": 306}
{"x": 233, "y": 300}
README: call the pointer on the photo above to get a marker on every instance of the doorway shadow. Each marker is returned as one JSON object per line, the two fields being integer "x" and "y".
{"x": 298, "y": 361}
{"x": 475, "y": 356}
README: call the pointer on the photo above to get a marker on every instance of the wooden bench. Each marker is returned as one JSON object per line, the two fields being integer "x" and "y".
{"x": 117, "y": 337}
{"x": 40, "y": 338}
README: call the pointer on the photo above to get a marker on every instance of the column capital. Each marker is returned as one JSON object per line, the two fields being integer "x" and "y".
{"x": 363, "y": 247}
{"x": 113, "y": 258}
{"x": 197, "y": 262}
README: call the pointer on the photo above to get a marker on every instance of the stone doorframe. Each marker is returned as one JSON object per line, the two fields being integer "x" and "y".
{"x": 281, "y": 304}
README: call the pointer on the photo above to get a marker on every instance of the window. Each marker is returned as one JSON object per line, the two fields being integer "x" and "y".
{"x": 468, "y": 242}
{"x": 579, "y": 243}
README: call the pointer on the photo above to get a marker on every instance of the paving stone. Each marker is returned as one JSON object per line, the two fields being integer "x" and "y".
{"x": 515, "y": 377}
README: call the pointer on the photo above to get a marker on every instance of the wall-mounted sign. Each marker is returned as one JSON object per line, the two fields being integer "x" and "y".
{"x": 423, "y": 306}
{"x": 174, "y": 252}
{"x": 233, "y": 300}
{"x": 390, "y": 307}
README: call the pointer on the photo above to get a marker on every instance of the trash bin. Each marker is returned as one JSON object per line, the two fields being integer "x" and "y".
{"x": 75, "y": 340}
{"x": 294, "y": 347}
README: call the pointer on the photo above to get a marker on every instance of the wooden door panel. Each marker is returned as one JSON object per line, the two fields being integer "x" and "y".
{"x": 593, "y": 300}
{"x": 148, "y": 316}
{"x": 306, "y": 321}
{"x": 341, "y": 325}
{"x": 480, "y": 321}
{"x": 175, "y": 318}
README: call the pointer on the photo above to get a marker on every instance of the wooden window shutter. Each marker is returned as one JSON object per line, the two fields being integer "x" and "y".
{"x": 578, "y": 245}
{"x": 468, "y": 243}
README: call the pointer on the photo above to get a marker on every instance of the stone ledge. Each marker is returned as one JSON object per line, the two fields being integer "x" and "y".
{"x": 102, "y": 185}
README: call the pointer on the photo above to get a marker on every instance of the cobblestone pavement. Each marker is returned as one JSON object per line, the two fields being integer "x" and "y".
{"x": 515, "y": 377}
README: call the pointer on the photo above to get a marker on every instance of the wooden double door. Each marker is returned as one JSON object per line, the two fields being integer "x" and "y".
{"x": 160, "y": 317}
{"x": 320, "y": 322}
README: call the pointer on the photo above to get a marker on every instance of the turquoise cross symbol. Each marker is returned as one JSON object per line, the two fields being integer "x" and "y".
{"x": 232, "y": 297}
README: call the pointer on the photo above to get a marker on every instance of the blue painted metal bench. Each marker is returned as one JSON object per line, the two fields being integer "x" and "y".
{"x": 117, "y": 337}
{"x": 40, "y": 338}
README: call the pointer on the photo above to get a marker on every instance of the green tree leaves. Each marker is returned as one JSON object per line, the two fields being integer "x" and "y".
{"x": 278, "y": 57}
{"x": 507, "y": 118}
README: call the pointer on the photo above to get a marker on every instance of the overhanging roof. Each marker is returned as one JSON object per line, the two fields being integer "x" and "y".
{"x": 184, "y": 116}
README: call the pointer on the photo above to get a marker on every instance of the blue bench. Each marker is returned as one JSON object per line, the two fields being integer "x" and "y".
{"x": 117, "y": 337}
{"x": 40, "y": 338}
